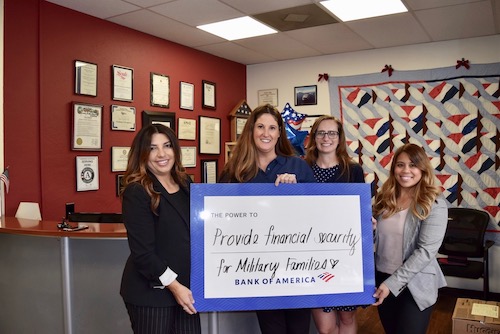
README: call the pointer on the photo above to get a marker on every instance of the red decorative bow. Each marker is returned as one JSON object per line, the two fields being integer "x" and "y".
{"x": 463, "y": 62}
{"x": 323, "y": 76}
{"x": 388, "y": 69}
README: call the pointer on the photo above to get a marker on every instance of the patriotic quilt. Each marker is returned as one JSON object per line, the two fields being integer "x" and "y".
{"x": 454, "y": 113}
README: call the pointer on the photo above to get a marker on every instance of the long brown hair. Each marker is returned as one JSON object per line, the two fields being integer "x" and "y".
{"x": 312, "y": 149}
{"x": 137, "y": 166}
{"x": 243, "y": 165}
{"x": 426, "y": 190}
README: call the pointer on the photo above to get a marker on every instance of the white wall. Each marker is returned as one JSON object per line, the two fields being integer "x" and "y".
{"x": 285, "y": 75}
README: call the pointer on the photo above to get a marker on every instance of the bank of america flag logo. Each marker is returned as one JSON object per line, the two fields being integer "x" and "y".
{"x": 326, "y": 276}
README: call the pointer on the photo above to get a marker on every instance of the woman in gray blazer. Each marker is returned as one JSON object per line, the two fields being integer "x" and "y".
{"x": 411, "y": 218}
{"x": 155, "y": 204}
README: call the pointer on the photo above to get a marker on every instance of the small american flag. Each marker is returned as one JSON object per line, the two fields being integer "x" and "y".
{"x": 5, "y": 179}
{"x": 292, "y": 117}
{"x": 326, "y": 276}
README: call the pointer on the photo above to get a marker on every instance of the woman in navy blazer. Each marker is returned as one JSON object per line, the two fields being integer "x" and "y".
{"x": 155, "y": 207}
{"x": 411, "y": 222}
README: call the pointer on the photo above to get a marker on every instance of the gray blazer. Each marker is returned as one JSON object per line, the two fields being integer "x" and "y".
{"x": 420, "y": 271}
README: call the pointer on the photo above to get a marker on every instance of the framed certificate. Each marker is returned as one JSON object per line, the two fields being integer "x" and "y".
{"x": 160, "y": 90}
{"x": 268, "y": 96}
{"x": 119, "y": 158}
{"x": 155, "y": 117}
{"x": 123, "y": 83}
{"x": 188, "y": 156}
{"x": 87, "y": 173}
{"x": 208, "y": 94}
{"x": 209, "y": 171}
{"x": 122, "y": 118}
{"x": 186, "y": 129}
{"x": 209, "y": 129}
{"x": 186, "y": 96}
{"x": 85, "y": 78}
{"x": 86, "y": 134}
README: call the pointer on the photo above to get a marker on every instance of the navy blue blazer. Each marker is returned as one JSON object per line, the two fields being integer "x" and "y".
{"x": 156, "y": 242}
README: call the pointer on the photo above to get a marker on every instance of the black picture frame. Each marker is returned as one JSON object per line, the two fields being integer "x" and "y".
{"x": 123, "y": 83}
{"x": 209, "y": 171}
{"x": 209, "y": 134}
{"x": 209, "y": 94}
{"x": 306, "y": 95}
{"x": 152, "y": 117}
{"x": 85, "y": 78}
{"x": 159, "y": 90}
{"x": 119, "y": 184}
{"x": 86, "y": 127}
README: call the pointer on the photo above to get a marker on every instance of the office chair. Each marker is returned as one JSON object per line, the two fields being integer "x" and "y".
{"x": 464, "y": 239}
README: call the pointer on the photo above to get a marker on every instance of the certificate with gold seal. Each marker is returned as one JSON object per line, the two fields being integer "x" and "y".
{"x": 87, "y": 127}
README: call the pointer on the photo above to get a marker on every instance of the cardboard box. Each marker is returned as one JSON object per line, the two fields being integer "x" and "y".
{"x": 464, "y": 321}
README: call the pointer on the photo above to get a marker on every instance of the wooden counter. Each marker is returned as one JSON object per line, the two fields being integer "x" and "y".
{"x": 49, "y": 228}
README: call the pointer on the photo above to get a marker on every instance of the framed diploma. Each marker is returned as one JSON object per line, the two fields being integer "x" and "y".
{"x": 160, "y": 90}
{"x": 188, "y": 156}
{"x": 209, "y": 171}
{"x": 155, "y": 117}
{"x": 119, "y": 184}
{"x": 268, "y": 96}
{"x": 186, "y": 96}
{"x": 87, "y": 127}
{"x": 85, "y": 78}
{"x": 122, "y": 118}
{"x": 87, "y": 173}
{"x": 119, "y": 158}
{"x": 208, "y": 94}
{"x": 123, "y": 83}
{"x": 209, "y": 129}
{"x": 186, "y": 129}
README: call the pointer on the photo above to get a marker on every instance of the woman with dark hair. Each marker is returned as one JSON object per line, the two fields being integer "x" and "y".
{"x": 326, "y": 153}
{"x": 263, "y": 154}
{"x": 156, "y": 213}
{"x": 411, "y": 218}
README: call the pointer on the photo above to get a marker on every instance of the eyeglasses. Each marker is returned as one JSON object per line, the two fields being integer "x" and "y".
{"x": 331, "y": 134}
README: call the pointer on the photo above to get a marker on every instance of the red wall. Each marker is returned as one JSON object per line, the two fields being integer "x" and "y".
{"x": 42, "y": 41}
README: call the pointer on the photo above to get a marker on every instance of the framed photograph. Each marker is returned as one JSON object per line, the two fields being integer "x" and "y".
{"x": 85, "y": 78}
{"x": 208, "y": 94}
{"x": 87, "y": 173}
{"x": 186, "y": 129}
{"x": 268, "y": 96}
{"x": 156, "y": 117}
{"x": 309, "y": 121}
{"x": 86, "y": 130}
{"x": 306, "y": 95}
{"x": 119, "y": 184}
{"x": 229, "y": 146}
{"x": 122, "y": 118}
{"x": 188, "y": 156}
{"x": 123, "y": 83}
{"x": 160, "y": 90}
{"x": 209, "y": 171}
{"x": 186, "y": 96}
{"x": 209, "y": 134}
{"x": 119, "y": 158}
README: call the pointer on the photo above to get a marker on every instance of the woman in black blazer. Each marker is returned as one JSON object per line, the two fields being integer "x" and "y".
{"x": 155, "y": 207}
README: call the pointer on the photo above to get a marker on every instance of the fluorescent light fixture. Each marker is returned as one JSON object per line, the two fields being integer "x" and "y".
{"x": 349, "y": 10}
{"x": 242, "y": 27}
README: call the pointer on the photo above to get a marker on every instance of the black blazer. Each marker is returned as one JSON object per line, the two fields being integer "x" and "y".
{"x": 156, "y": 242}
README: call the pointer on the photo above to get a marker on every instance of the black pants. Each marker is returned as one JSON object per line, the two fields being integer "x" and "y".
{"x": 401, "y": 314}
{"x": 292, "y": 321}
{"x": 162, "y": 320}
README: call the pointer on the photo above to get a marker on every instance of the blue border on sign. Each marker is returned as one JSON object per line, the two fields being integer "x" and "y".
{"x": 198, "y": 193}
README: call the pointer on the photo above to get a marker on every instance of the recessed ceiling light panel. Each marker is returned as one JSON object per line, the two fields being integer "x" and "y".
{"x": 239, "y": 28}
{"x": 349, "y": 10}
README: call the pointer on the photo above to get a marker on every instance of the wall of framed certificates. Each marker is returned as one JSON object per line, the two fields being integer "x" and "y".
{"x": 85, "y": 97}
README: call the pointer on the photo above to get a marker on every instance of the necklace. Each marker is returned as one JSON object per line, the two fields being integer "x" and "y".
{"x": 403, "y": 204}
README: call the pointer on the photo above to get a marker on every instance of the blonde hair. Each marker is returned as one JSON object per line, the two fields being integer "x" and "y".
{"x": 243, "y": 165}
{"x": 426, "y": 190}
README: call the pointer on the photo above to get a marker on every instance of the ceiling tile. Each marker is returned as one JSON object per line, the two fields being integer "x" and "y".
{"x": 98, "y": 8}
{"x": 236, "y": 53}
{"x": 251, "y": 7}
{"x": 331, "y": 38}
{"x": 427, "y": 4}
{"x": 207, "y": 11}
{"x": 148, "y": 3}
{"x": 390, "y": 30}
{"x": 462, "y": 21}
